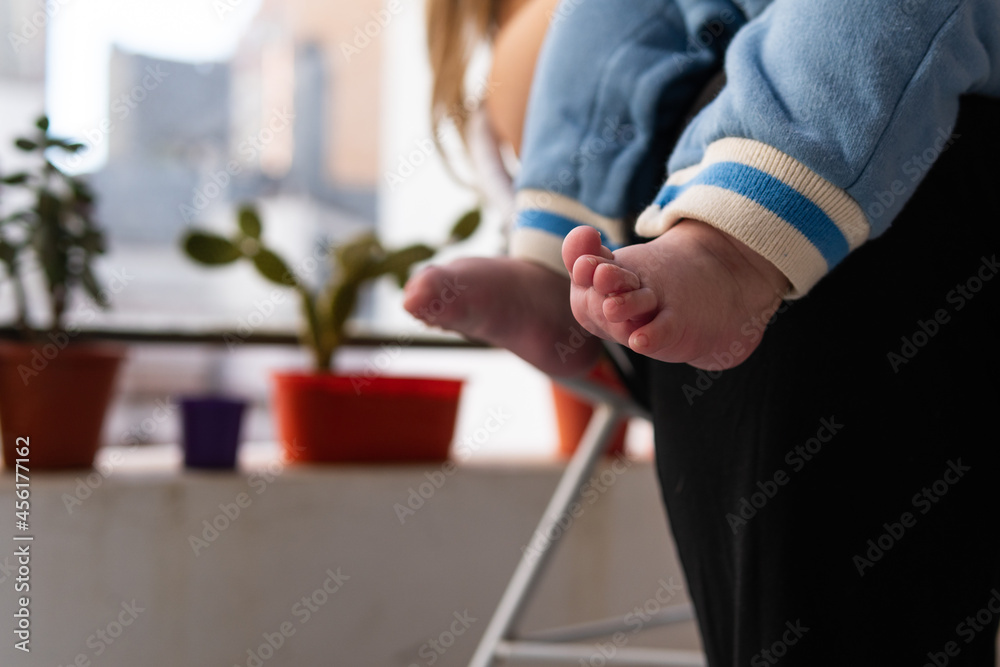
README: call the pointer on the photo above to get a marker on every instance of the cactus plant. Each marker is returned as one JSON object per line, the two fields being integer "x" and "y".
{"x": 57, "y": 228}
{"x": 325, "y": 309}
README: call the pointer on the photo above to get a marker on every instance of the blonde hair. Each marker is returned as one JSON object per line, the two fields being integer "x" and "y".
{"x": 454, "y": 29}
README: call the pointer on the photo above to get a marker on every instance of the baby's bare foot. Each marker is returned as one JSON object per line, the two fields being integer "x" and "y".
{"x": 686, "y": 296}
{"x": 510, "y": 303}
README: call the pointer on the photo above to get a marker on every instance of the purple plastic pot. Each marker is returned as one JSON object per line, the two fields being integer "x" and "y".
{"x": 211, "y": 431}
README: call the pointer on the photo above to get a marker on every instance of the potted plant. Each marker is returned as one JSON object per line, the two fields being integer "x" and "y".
{"x": 325, "y": 417}
{"x": 573, "y": 413}
{"x": 53, "y": 390}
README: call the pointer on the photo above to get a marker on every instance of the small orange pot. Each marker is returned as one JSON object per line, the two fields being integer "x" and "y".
{"x": 325, "y": 418}
{"x": 57, "y": 398}
{"x": 573, "y": 413}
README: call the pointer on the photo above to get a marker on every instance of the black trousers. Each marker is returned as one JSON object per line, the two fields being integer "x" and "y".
{"x": 834, "y": 498}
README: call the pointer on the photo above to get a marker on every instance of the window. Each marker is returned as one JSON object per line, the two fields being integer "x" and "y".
{"x": 318, "y": 111}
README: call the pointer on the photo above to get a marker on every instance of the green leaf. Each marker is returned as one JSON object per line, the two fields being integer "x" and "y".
{"x": 92, "y": 287}
{"x": 48, "y": 243}
{"x": 345, "y": 297}
{"x": 17, "y": 216}
{"x": 49, "y": 207}
{"x": 274, "y": 268}
{"x": 15, "y": 179}
{"x": 8, "y": 253}
{"x": 249, "y": 221}
{"x": 466, "y": 225}
{"x": 92, "y": 241}
{"x": 25, "y": 144}
{"x": 210, "y": 249}
{"x": 68, "y": 146}
{"x": 356, "y": 256}
{"x": 398, "y": 263}
{"x": 42, "y": 123}
{"x": 82, "y": 191}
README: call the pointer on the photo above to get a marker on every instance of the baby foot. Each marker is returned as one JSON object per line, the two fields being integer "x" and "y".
{"x": 692, "y": 295}
{"x": 510, "y": 303}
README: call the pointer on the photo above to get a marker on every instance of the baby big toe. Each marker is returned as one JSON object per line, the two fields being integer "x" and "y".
{"x": 582, "y": 240}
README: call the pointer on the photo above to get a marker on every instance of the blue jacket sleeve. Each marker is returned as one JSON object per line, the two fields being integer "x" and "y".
{"x": 613, "y": 82}
{"x": 831, "y": 116}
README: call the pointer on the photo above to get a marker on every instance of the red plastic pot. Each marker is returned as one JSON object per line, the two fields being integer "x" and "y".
{"x": 325, "y": 418}
{"x": 58, "y": 399}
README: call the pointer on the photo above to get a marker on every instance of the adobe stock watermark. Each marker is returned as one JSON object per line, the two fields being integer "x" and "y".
{"x": 225, "y": 7}
{"x": 419, "y": 495}
{"x": 7, "y": 569}
{"x": 925, "y": 330}
{"x": 377, "y": 364}
{"x": 34, "y": 25}
{"x": 911, "y": 6}
{"x": 751, "y": 332}
{"x": 614, "y": 134}
{"x": 590, "y": 492}
{"x": 432, "y": 650}
{"x": 635, "y": 620}
{"x": 364, "y": 35}
{"x": 914, "y": 169}
{"x": 779, "y": 648}
{"x": 797, "y": 457}
{"x": 58, "y": 340}
{"x": 86, "y": 486}
{"x": 967, "y": 629}
{"x": 706, "y": 38}
{"x": 303, "y": 610}
{"x": 562, "y": 11}
{"x": 924, "y": 500}
{"x": 104, "y": 637}
{"x": 576, "y": 339}
{"x": 248, "y": 151}
{"x": 122, "y": 107}
{"x": 449, "y": 293}
{"x": 409, "y": 162}
{"x": 230, "y": 512}
{"x": 262, "y": 310}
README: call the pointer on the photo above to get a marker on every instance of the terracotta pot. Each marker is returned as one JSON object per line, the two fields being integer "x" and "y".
{"x": 573, "y": 413}
{"x": 58, "y": 399}
{"x": 325, "y": 418}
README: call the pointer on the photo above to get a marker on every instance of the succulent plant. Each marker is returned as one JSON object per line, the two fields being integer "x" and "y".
{"x": 57, "y": 228}
{"x": 325, "y": 309}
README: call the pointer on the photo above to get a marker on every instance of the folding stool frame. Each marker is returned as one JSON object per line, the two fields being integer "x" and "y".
{"x": 565, "y": 645}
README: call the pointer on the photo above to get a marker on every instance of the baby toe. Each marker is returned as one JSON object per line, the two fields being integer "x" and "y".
{"x": 610, "y": 278}
{"x": 638, "y": 306}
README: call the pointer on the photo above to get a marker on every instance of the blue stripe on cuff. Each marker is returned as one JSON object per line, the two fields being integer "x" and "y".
{"x": 555, "y": 224}
{"x": 776, "y": 196}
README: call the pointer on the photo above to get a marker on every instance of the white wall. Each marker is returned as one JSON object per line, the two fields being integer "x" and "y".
{"x": 129, "y": 540}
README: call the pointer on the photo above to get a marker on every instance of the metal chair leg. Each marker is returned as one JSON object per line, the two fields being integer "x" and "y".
{"x": 598, "y": 433}
{"x": 557, "y": 646}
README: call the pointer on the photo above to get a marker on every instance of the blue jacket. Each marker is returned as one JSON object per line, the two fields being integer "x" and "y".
{"x": 831, "y": 115}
